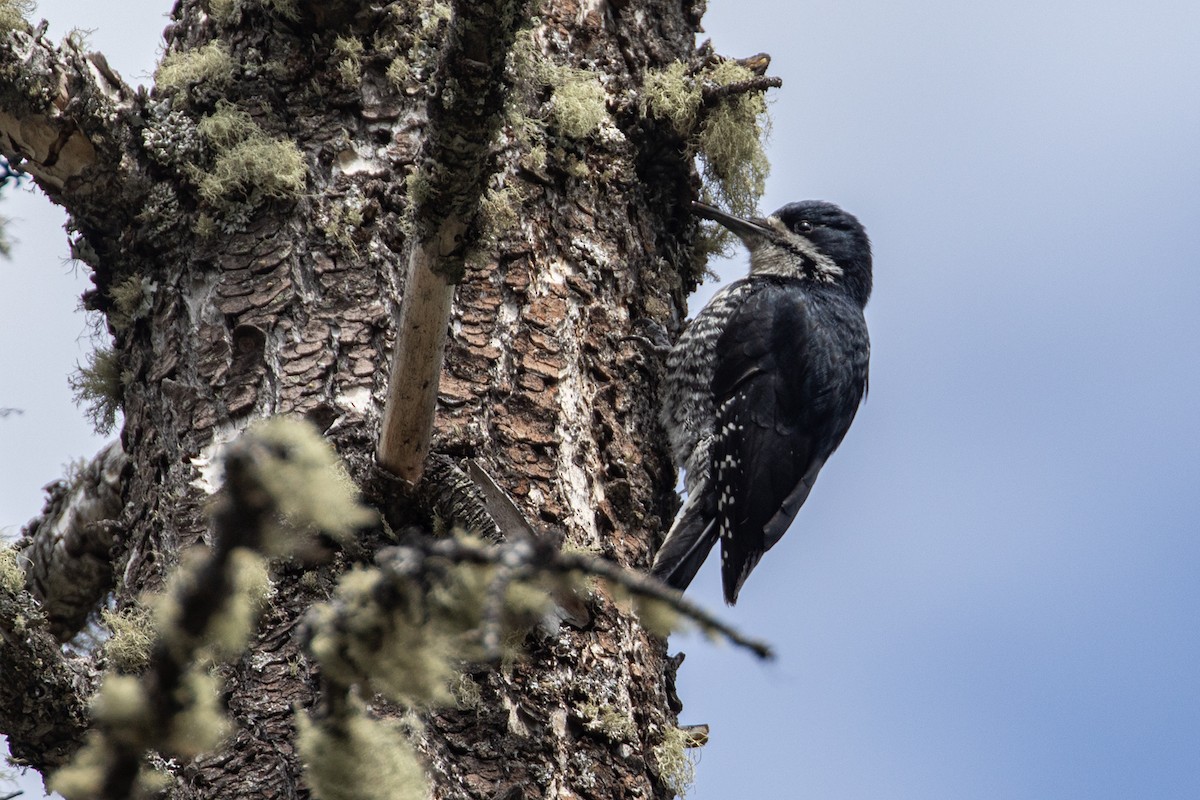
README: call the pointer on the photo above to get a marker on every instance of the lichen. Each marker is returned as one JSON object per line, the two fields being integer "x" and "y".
{"x": 499, "y": 209}
{"x": 200, "y": 723}
{"x": 675, "y": 768}
{"x": 358, "y": 758}
{"x": 731, "y": 142}
{"x": 411, "y": 39}
{"x": 132, "y": 637}
{"x": 579, "y": 104}
{"x": 399, "y": 71}
{"x": 348, "y": 52}
{"x": 727, "y": 137}
{"x": 672, "y": 94}
{"x": 656, "y": 616}
{"x": 342, "y": 219}
{"x": 160, "y": 215}
{"x": 609, "y": 721}
{"x": 221, "y": 10}
{"x": 205, "y": 227}
{"x": 211, "y": 64}
{"x": 466, "y": 692}
{"x": 171, "y": 138}
{"x": 248, "y": 164}
{"x": 130, "y": 301}
{"x": 230, "y": 631}
{"x": 99, "y": 387}
{"x": 403, "y": 657}
{"x": 13, "y": 13}
{"x": 307, "y": 481}
{"x": 12, "y": 577}
{"x": 227, "y": 11}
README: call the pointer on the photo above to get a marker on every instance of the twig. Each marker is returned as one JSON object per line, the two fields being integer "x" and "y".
{"x": 535, "y": 555}
{"x": 642, "y": 584}
{"x": 713, "y": 94}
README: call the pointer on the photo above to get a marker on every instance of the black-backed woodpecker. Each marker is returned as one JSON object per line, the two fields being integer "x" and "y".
{"x": 763, "y": 385}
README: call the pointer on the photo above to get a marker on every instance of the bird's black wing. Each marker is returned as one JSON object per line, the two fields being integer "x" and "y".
{"x": 769, "y": 439}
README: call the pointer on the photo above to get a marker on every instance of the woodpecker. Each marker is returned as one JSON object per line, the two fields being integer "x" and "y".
{"x": 763, "y": 385}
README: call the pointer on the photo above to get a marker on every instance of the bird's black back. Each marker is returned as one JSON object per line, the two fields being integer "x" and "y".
{"x": 791, "y": 372}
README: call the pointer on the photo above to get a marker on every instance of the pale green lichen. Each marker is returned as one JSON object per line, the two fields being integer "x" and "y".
{"x": 467, "y": 694}
{"x": 12, "y": 577}
{"x": 306, "y": 479}
{"x": 499, "y": 209}
{"x": 83, "y": 777}
{"x": 132, "y": 637}
{"x": 99, "y": 387}
{"x": 579, "y": 104}
{"x": 226, "y": 11}
{"x": 220, "y": 10}
{"x": 576, "y": 167}
{"x": 411, "y": 39}
{"x": 727, "y": 137}
{"x": 130, "y": 301}
{"x": 342, "y": 219}
{"x": 399, "y": 70}
{"x": 205, "y": 227}
{"x": 159, "y": 218}
{"x": 656, "y": 616}
{"x": 609, "y": 721}
{"x": 348, "y": 51}
{"x": 675, "y": 769}
{"x": 392, "y": 648}
{"x": 673, "y": 95}
{"x": 227, "y": 126}
{"x": 122, "y": 706}
{"x": 230, "y": 626}
{"x": 229, "y": 631}
{"x": 731, "y": 142}
{"x": 200, "y": 724}
{"x": 248, "y": 164}
{"x": 359, "y": 758}
{"x": 407, "y": 642}
{"x": 211, "y": 64}
{"x": 13, "y": 13}
{"x": 535, "y": 159}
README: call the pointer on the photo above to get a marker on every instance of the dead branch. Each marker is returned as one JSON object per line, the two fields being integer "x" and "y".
{"x": 65, "y": 551}
{"x": 58, "y": 126}
{"x": 42, "y": 705}
{"x": 713, "y": 93}
{"x": 524, "y": 556}
{"x": 464, "y": 115}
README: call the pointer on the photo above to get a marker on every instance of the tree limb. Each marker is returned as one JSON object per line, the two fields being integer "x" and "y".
{"x": 464, "y": 114}
{"x": 527, "y": 555}
{"x": 42, "y": 706}
{"x": 65, "y": 551}
{"x": 56, "y": 121}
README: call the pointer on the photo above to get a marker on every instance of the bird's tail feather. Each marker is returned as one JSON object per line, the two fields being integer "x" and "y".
{"x": 688, "y": 543}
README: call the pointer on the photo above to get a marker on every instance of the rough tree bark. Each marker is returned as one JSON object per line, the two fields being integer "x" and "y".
{"x": 247, "y": 224}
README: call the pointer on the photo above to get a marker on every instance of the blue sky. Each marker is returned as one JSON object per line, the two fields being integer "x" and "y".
{"x": 993, "y": 590}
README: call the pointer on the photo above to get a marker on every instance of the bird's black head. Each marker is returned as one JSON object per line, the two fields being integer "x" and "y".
{"x": 811, "y": 239}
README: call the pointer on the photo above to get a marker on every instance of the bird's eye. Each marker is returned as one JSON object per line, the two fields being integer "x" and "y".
{"x": 804, "y": 226}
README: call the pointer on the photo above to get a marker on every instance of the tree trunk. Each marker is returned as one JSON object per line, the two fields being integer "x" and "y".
{"x": 239, "y": 282}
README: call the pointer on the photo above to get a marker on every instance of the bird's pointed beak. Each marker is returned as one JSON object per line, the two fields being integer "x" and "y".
{"x": 750, "y": 231}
